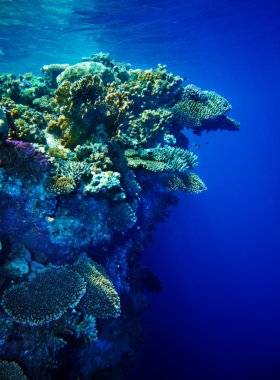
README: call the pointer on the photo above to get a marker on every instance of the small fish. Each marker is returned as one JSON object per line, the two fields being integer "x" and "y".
{"x": 197, "y": 146}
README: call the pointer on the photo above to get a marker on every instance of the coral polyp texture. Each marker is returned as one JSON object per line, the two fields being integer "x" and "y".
{"x": 11, "y": 371}
{"x": 92, "y": 156}
{"x": 203, "y": 110}
{"x": 45, "y": 298}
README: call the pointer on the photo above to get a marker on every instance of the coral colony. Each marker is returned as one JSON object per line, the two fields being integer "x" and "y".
{"x": 91, "y": 156}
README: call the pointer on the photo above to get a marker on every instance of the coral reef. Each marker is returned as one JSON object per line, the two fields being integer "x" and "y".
{"x": 92, "y": 156}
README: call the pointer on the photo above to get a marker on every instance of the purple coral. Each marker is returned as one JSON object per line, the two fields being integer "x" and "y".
{"x": 22, "y": 159}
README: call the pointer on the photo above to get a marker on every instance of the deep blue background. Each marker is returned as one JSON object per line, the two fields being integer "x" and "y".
{"x": 218, "y": 254}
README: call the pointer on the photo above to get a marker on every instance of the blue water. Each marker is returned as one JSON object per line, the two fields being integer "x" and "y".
{"x": 218, "y": 255}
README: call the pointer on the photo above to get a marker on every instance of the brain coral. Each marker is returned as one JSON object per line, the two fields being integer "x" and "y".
{"x": 101, "y": 299}
{"x": 203, "y": 110}
{"x": 45, "y": 298}
{"x": 11, "y": 371}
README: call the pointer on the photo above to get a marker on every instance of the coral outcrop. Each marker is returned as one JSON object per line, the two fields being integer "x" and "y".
{"x": 92, "y": 156}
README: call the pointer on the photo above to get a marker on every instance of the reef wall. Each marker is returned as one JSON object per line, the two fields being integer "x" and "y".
{"x": 91, "y": 158}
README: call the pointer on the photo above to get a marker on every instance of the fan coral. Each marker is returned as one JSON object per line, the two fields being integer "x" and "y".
{"x": 11, "y": 371}
{"x": 161, "y": 159}
{"x": 45, "y": 298}
{"x": 101, "y": 299}
{"x": 203, "y": 110}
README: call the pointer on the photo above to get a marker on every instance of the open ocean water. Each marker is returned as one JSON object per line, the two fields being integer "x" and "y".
{"x": 218, "y": 253}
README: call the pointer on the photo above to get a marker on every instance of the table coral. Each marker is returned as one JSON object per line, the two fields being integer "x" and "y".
{"x": 45, "y": 298}
{"x": 101, "y": 299}
{"x": 203, "y": 110}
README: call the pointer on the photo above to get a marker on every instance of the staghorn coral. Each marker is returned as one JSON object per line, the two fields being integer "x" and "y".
{"x": 45, "y": 298}
{"x": 187, "y": 182}
{"x": 203, "y": 110}
{"x": 11, "y": 371}
{"x": 101, "y": 299}
{"x": 161, "y": 159}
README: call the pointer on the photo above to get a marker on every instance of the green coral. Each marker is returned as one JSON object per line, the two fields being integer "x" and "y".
{"x": 45, "y": 298}
{"x": 161, "y": 159}
{"x": 11, "y": 371}
{"x": 203, "y": 110}
{"x": 101, "y": 299}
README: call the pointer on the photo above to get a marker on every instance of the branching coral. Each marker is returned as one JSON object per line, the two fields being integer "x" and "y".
{"x": 203, "y": 110}
{"x": 101, "y": 299}
{"x": 11, "y": 371}
{"x": 45, "y": 298}
{"x": 161, "y": 159}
